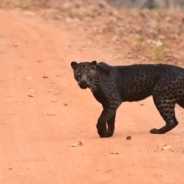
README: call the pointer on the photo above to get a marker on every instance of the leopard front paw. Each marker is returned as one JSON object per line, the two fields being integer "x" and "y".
{"x": 101, "y": 131}
{"x": 156, "y": 131}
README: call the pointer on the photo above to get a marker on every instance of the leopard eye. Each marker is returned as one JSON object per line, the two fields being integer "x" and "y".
{"x": 77, "y": 73}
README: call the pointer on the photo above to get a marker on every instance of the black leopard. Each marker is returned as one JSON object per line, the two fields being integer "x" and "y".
{"x": 112, "y": 85}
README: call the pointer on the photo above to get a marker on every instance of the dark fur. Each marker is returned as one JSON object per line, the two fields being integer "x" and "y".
{"x": 112, "y": 85}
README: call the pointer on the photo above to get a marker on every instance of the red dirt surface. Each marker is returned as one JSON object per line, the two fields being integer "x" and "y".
{"x": 43, "y": 111}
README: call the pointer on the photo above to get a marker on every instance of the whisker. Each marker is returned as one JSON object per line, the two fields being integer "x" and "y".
{"x": 93, "y": 87}
{"x": 93, "y": 91}
{"x": 96, "y": 82}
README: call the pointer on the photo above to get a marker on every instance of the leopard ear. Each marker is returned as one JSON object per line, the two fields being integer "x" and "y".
{"x": 74, "y": 65}
{"x": 93, "y": 64}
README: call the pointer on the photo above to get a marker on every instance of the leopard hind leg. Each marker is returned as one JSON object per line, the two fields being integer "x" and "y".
{"x": 181, "y": 102}
{"x": 165, "y": 104}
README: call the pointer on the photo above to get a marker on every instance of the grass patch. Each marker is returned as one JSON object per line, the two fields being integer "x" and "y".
{"x": 160, "y": 52}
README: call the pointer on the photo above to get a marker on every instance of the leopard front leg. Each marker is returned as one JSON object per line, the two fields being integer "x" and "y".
{"x": 111, "y": 101}
{"x": 111, "y": 125}
{"x": 108, "y": 116}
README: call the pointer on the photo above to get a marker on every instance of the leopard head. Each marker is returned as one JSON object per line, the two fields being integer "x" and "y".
{"x": 86, "y": 74}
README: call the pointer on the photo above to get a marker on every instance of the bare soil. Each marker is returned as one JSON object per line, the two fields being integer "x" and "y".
{"x": 43, "y": 111}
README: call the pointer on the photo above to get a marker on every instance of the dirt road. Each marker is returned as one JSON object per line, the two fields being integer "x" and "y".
{"x": 43, "y": 112}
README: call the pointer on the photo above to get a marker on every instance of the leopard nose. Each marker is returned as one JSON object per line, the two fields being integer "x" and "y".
{"x": 83, "y": 82}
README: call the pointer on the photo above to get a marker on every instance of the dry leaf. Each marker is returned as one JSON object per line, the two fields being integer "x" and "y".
{"x": 50, "y": 90}
{"x": 167, "y": 148}
{"x": 128, "y": 138}
{"x": 57, "y": 93}
{"x": 51, "y": 114}
{"x": 28, "y": 78}
{"x": 76, "y": 144}
{"x": 115, "y": 153}
{"x": 53, "y": 101}
{"x": 30, "y": 95}
{"x": 29, "y": 13}
{"x": 32, "y": 90}
{"x": 164, "y": 147}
